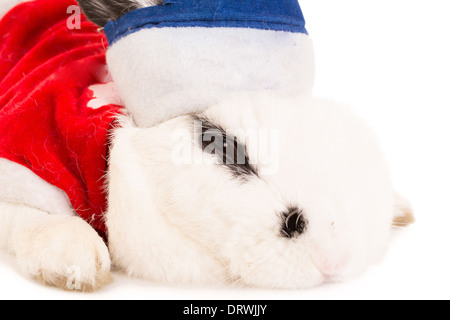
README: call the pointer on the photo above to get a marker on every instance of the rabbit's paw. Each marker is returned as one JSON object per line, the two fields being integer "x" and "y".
{"x": 64, "y": 252}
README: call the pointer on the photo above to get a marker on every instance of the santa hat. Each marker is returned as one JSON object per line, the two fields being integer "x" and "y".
{"x": 186, "y": 55}
{"x": 280, "y": 15}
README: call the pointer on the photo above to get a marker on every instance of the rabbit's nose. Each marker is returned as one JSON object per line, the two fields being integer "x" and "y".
{"x": 293, "y": 223}
{"x": 329, "y": 264}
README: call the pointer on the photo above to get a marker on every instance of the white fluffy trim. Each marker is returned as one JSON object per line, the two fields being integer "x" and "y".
{"x": 163, "y": 73}
{"x": 6, "y": 5}
{"x": 20, "y": 185}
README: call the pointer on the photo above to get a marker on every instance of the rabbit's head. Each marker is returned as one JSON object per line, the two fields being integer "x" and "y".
{"x": 265, "y": 191}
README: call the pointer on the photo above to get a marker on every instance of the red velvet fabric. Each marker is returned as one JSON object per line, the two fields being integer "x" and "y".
{"x": 45, "y": 124}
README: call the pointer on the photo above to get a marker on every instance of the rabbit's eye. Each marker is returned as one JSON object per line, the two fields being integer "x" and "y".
{"x": 293, "y": 223}
{"x": 216, "y": 141}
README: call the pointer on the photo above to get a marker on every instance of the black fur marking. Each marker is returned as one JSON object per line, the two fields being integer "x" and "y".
{"x": 102, "y": 11}
{"x": 233, "y": 155}
{"x": 293, "y": 223}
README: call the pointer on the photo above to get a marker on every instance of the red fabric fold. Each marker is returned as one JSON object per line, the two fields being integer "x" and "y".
{"x": 45, "y": 124}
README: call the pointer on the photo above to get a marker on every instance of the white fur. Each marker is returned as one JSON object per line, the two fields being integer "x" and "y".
{"x": 173, "y": 71}
{"x": 182, "y": 221}
{"x": 127, "y": 210}
{"x": 58, "y": 250}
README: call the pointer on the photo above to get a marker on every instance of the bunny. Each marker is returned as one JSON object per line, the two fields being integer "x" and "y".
{"x": 241, "y": 178}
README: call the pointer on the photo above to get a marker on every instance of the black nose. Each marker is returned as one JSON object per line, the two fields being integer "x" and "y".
{"x": 293, "y": 223}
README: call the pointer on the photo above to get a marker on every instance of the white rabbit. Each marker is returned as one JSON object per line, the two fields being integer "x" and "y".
{"x": 210, "y": 223}
{"x": 304, "y": 198}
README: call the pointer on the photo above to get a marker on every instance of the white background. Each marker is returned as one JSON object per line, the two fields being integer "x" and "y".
{"x": 389, "y": 59}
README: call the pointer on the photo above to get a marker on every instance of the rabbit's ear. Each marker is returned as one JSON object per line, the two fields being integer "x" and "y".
{"x": 102, "y": 11}
{"x": 403, "y": 212}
